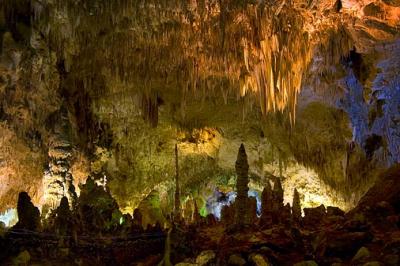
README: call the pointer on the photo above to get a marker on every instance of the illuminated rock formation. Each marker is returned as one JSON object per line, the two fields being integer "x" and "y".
{"x": 58, "y": 180}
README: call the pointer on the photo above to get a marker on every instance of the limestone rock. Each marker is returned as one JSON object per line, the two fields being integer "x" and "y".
{"x": 23, "y": 258}
{"x": 205, "y": 257}
{"x": 361, "y": 254}
{"x": 259, "y": 260}
{"x": 236, "y": 259}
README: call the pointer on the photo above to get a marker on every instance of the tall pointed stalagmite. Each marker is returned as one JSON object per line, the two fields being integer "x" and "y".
{"x": 277, "y": 200}
{"x": 242, "y": 170}
{"x": 177, "y": 207}
{"x": 196, "y": 215}
{"x": 266, "y": 204}
{"x": 28, "y": 214}
{"x": 296, "y": 208}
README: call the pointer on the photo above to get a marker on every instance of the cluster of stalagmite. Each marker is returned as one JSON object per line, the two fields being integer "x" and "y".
{"x": 273, "y": 209}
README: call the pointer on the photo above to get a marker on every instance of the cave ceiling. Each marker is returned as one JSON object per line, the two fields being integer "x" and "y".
{"x": 110, "y": 87}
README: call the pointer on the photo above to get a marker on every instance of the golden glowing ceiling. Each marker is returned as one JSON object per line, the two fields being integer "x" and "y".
{"x": 201, "y": 46}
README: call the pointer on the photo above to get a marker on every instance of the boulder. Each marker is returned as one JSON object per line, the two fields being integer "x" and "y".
{"x": 259, "y": 260}
{"x": 205, "y": 258}
{"x": 362, "y": 253}
{"x": 236, "y": 259}
{"x": 23, "y": 258}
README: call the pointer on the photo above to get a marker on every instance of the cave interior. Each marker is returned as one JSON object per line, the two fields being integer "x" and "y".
{"x": 200, "y": 132}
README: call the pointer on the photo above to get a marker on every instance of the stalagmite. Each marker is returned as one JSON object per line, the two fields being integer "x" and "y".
{"x": 241, "y": 202}
{"x": 277, "y": 200}
{"x": 266, "y": 205}
{"x": 228, "y": 214}
{"x": 177, "y": 206}
{"x": 252, "y": 210}
{"x": 196, "y": 215}
{"x": 285, "y": 215}
{"x": 28, "y": 214}
{"x": 137, "y": 219}
{"x": 296, "y": 207}
{"x": 63, "y": 220}
{"x": 58, "y": 180}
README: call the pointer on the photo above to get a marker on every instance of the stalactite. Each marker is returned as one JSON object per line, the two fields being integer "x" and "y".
{"x": 256, "y": 46}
